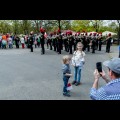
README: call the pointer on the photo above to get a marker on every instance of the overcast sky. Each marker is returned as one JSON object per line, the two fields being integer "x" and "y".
{"x": 106, "y": 22}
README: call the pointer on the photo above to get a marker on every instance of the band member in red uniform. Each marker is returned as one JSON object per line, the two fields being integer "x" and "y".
{"x": 100, "y": 41}
{"x": 108, "y": 44}
{"x": 42, "y": 39}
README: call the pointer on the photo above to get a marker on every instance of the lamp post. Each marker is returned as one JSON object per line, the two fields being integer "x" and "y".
{"x": 119, "y": 39}
{"x": 119, "y": 47}
{"x": 119, "y": 36}
{"x": 59, "y": 25}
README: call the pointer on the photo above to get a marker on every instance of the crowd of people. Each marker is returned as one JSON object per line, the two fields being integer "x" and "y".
{"x": 8, "y": 41}
{"x": 77, "y": 45}
{"x": 110, "y": 91}
{"x": 92, "y": 41}
{"x": 56, "y": 41}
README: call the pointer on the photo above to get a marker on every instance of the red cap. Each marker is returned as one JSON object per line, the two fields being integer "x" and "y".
{"x": 51, "y": 34}
{"x": 95, "y": 34}
{"x": 109, "y": 34}
{"x": 90, "y": 34}
{"x": 78, "y": 33}
{"x": 42, "y": 30}
{"x": 86, "y": 33}
{"x": 100, "y": 32}
{"x": 70, "y": 33}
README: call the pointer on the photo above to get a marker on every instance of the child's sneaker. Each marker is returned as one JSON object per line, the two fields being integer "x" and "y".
{"x": 66, "y": 94}
{"x": 73, "y": 82}
{"x": 68, "y": 91}
{"x": 77, "y": 83}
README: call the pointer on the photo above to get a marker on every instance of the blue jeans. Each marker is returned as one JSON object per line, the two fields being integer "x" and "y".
{"x": 65, "y": 80}
{"x": 77, "y": 74}
{"x": 10, "y": 45}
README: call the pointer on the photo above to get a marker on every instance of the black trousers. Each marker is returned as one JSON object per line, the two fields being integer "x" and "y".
{"x": 96, "y": 46}
{"x": 38, "y": 44}
{"x": 66, "y": 47}
{"x": 59, "y": 48}
{"x": 93, "y": 49}
{"x": 0, "y": 44}
{"x": 42, "y": 49}
{"x": 54, "y": 47}
{"x": 50, "y": 45}
{"x": 47, "y": 45}
{"x": 70, "y": 49}
{"x": 88, "y": 48}
{"x": 108, "y": 48}
{"x": 31, "y": 47}
{"x": 17, "y": 45}
{"x": 100, "y": 47}
{"x": 75, "y": 46}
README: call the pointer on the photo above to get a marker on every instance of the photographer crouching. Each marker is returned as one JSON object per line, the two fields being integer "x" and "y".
{"x": 110, "y": 91}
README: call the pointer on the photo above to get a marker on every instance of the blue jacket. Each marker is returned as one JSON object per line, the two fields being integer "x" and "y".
{"x": 66, "y": 69}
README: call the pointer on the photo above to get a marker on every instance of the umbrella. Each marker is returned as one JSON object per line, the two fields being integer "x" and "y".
{"x": 107, "y": 32}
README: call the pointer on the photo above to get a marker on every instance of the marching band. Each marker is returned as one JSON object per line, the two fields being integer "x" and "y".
{"x": 57, "y": 41}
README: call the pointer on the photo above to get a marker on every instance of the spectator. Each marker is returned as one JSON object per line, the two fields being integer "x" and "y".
{"x": 22, "y": 41}
{"x": 78, "y": 61}
{"x": 66, "y": 74}
{"x": 110, "y": 91}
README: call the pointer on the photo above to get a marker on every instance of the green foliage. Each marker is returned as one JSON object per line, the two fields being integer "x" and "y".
{"x": 80, "y": 25}
{"x": 25, "y": 26}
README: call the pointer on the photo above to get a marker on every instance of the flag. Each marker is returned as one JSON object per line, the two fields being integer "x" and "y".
{"x": 69, "y": 86}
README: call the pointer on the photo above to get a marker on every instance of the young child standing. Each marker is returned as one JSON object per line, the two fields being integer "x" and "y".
{"x": 66, "y": 73}
{"x": 78, "y": 62}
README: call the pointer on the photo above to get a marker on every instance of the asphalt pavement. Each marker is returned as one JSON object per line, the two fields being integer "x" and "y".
{"x": 31, "y": 76}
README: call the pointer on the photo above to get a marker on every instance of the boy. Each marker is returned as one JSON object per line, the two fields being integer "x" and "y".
{"x": 66, "y": 73}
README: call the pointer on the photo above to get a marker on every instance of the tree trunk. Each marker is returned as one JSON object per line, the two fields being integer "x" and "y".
{"x": 59, "y": 25}
{"x": 96, "y": 27}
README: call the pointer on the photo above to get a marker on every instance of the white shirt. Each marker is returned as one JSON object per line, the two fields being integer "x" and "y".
{"x": 78, "y": 58}
{"x": 22, "y": 40}
{"x": 10, "y": 40}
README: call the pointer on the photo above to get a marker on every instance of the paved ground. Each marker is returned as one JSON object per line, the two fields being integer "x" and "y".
{"x": 32, "y": 76}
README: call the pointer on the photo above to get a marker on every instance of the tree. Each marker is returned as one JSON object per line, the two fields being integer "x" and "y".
{"x": 80, "y": 25}
{"x": 55, "y": 24}
{"x": 118, "y": 21}
{"x": 5, "y": 26}
{"x": 96, "y": 24}
{"x": 16, "y": 26}
{"x": 25, "y": 26}
{"x": 37, "y": 24}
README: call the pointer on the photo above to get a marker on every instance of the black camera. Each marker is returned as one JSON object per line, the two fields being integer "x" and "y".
{"x": 99, "y": 66}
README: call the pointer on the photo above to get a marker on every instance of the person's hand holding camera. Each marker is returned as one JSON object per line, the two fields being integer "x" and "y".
{"x": 103, "y": 75}
{"x": 96, "y": 74}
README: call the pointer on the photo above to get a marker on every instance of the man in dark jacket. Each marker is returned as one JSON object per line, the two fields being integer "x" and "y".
{"x": 31, "y": 41}
{"x": 108, "y": 44}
